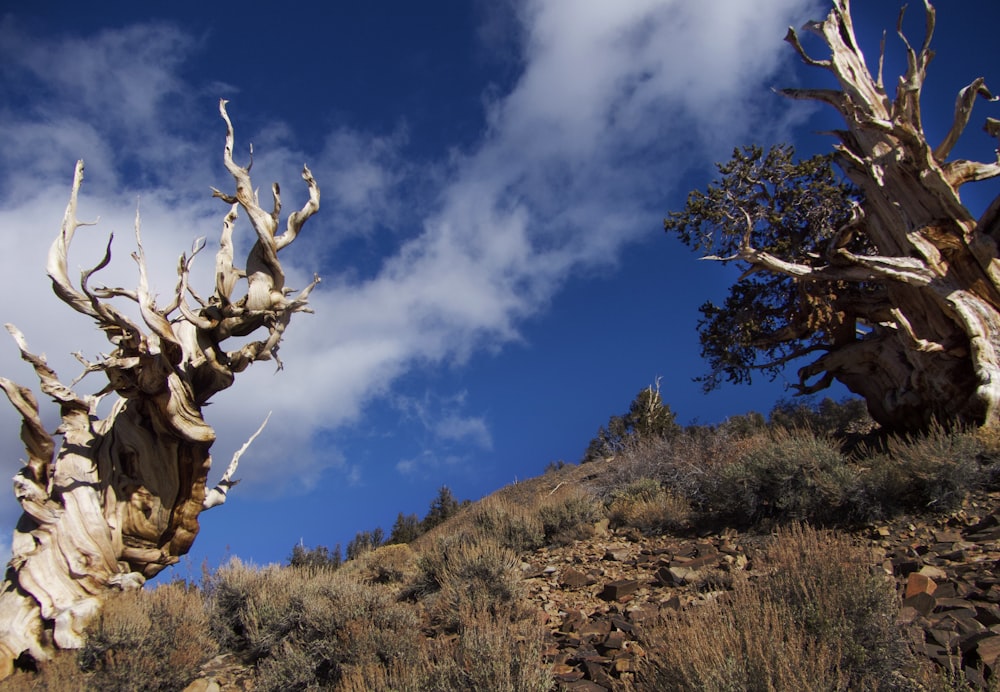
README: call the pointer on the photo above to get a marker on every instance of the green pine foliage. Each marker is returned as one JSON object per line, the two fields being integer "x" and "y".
{"x": 648, "y": 417}
{"x": 406, "y": 529}
{"x": 790, "y": 209}
{"x": 364, "y": 542}
{"x": 442, "y": 508}
{"x": 318, "y": 557}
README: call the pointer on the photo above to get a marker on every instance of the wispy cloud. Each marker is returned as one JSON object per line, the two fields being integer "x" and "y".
{"x": 616, "y": 101}
{"x": 116, "y": 98}
{"x": 473, "y": 430}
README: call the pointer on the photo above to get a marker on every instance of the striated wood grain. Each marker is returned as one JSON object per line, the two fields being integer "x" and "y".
{"x": 119, "y": 499}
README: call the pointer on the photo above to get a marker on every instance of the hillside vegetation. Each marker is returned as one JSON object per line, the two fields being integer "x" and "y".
{"x": 691, "y": 547}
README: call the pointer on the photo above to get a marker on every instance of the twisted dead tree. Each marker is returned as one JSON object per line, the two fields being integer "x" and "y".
{"x": 934, "y": 268}
{"x": 897, "y": 295}
{"x": 119, "y": 499}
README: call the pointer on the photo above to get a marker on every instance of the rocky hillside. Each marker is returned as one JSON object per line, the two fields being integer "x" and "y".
{"x": 599, "y": 595}
{"x": 736, "y": 557}
{"x": 596, "y": 595}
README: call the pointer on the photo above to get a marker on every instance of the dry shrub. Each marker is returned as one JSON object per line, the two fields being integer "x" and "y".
{"x": 511, "y": 525}
{"x": 148, "y": 640}
{"x": 988, "y": 437}
{"x": 689, "y": 464}
{"x": 467, "y": 576}
{"x": 830, "y": 418}
{"x": 388, "y": 564}
{"x": 743, "y": 473}
{"x": 989, "y": 440}
{"x": 821, "y": 620}
{"x": 838, "y": 591}
{"x": 58, "y": 674}
{"x": 646, "y": 505}
{"x": 569, "y": 514}
{"x": 473, "y": 587}
{"x": 792, "y": 475}
{"x": 488, "y": 654}
{"x": 307, "y": 629}
{"x": 250, "y": 605}
{"x": 934, "y": 471}
{"x": 746, "y": 644}
{"x": 484, "y": 655}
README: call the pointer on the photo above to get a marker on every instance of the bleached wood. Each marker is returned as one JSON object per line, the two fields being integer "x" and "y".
{"x": 938, "y": 353}
{"x": 119, "y": 500}
{"x": 930, "y": 346}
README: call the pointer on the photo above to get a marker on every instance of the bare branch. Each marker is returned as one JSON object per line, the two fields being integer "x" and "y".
{"x": 183, "y": 272}
{"x": 959, "y": 172}
{"x": 792, "y": 37}
{"x": 907, "y": 329}
{"x": 85, "y": 276}
{"x": 297, "y": 218}
{"x": 263, "y": 270}
{"x": 46, "y": 376}
{"x": 963, "y": 111}
{"x": 170, "y": 347}
{"x": 262, "y": 222}
{"x": 58, "y": 252}
{"x": 794, "y": 355}
{"x": 37, "y": 442}
{"x": 909, "y": 270}
{"x": 881, "y": 62}
{"x": 184, "y": 263}
{"x": 226, "y": 275}
{"x": 218, "y": 495}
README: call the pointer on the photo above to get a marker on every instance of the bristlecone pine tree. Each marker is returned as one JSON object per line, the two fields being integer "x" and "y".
{"x": 119, "y": 499}
{"x": 900, "y": 299}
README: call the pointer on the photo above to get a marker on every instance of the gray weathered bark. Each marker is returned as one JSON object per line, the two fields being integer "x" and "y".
{"x": 119, "y": 499}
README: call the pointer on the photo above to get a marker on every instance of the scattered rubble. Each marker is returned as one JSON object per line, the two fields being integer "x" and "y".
{"x": 596, "y": 594}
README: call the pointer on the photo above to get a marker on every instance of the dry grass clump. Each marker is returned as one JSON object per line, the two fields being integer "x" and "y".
{"x": 781, "y": 474}
{"x": 467, "y": 575}
{"x": 488, "y": 654}
{"x": 62, "y": 672}
{"x": 148, "y": 640}
{"x": 688, "y": 464}
{"x": 309, "y": 629}
{"x": 932, "y": 471}
{"x": 646, "y": 505}
{"x": 395, "y": 563}
{"x": 473, "y": 588}
{"x": 569, "y": 514}
{"x": 348, "y": 630}
{"x": 792, "y": 475}
{"x": 822, "y": 619}
{"x": 510, "y": 524}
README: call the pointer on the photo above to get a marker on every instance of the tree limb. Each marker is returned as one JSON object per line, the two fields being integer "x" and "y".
{"x": 218, "y": 495}
{"x": 963, "y": 111}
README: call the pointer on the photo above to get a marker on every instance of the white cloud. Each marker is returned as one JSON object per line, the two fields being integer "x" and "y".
{"x": 444, "y": 418}
{"x": 457, "y": 428}
{"x": 616, "y": 101}
{"x": 115, "y": 99}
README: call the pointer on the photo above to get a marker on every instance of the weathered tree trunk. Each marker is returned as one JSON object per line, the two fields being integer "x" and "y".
{"x": 119, "y": 499}
{"x": 927, "y": 337}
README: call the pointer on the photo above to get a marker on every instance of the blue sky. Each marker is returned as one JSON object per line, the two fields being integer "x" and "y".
{"x": 494, "y": 178}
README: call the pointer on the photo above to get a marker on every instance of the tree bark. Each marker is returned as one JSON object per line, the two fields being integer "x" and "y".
{"x": 118, "y": 500}
{"x": 935, "y": 353}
